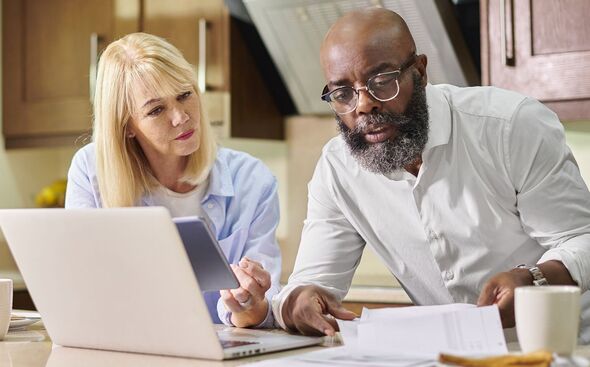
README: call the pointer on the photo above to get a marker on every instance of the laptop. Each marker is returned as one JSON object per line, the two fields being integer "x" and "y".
{"x": 120, "y": 279}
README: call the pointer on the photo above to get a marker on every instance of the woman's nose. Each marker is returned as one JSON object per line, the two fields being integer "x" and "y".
{"x": 179, "y": 117}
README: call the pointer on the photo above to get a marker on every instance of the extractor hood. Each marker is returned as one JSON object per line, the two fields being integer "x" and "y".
{"x": 292, "y": 31}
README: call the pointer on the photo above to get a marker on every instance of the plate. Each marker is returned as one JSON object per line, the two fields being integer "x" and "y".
{"x": 21, "y": 322}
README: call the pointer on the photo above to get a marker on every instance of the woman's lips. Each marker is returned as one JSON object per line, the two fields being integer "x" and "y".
{"x": 380, "y": 134}
{"x": 185, "y": 135}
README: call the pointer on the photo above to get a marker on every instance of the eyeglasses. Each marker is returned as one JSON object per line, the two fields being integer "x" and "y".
{"x": 383, "y": 87}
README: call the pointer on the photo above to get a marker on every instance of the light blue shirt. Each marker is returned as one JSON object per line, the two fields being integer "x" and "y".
{"x": 241, "y": 202}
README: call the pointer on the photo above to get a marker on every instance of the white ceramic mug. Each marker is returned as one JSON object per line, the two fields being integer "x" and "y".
{"x": 547, "y": 317}
{"x": 5, "y": 306}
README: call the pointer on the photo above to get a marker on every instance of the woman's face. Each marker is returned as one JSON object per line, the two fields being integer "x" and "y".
{"x": 166, "y": 126}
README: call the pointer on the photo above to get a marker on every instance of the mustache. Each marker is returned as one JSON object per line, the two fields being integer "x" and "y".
{"x": 365, "y": 122}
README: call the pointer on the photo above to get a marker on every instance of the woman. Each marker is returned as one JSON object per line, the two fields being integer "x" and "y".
{"x": 152, "y": 145}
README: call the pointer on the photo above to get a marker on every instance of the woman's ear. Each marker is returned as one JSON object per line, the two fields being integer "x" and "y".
{"x": 129, "y": 131}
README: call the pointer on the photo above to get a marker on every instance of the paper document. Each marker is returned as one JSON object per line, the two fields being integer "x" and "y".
{"x": 409, "y": 337}
{"x": 426, "y": 331}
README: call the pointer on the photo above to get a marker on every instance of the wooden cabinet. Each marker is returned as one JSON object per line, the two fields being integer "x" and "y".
{"x": 46, "y": 48}
{"x": 235, "y": 92}
{"x": 540, "y": 48}
{"x": 48, "y": 56}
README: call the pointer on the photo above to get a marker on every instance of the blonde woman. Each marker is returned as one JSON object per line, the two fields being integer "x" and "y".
{"x": 153, "y": 146}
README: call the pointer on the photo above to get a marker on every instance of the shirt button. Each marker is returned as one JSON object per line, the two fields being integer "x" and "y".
{"x": 448, "y": 275}
{"x": 210, "y": 206}
{"x": 432, "y": 236}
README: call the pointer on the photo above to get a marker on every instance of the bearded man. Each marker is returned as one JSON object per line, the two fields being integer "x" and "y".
{"x": 464, "y": 193}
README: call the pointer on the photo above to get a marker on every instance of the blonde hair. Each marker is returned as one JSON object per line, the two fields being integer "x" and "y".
{"x": 123, "y": 172}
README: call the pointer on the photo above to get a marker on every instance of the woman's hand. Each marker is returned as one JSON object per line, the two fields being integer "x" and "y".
{"x": 248, "y": 304}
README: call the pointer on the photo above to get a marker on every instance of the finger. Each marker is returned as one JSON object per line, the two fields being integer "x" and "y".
{"x": 249, "y": 284}
{"x": 230, "y": 302}
{"x": 257, "y": 271}
{"x": 240, "y": 294}
{"x": 246, "y": 259}
{"x": 487, "y": 295}
{"x": 314, "y": 324}
{"x": 261, "y": 276}
{"x": 339, "y": 312}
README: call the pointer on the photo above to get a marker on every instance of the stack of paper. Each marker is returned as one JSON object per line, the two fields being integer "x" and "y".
{"x": 426, "y": 331}
{"x": 410, "y": 336}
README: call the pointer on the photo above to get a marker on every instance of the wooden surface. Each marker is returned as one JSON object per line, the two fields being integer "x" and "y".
{"x": 540, "y": 48}
{"x": 46, "y": 62}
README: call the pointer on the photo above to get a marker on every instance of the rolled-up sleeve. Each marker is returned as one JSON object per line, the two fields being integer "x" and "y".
{"x": 552, "y": 199}
{"x": 330, "y": 248}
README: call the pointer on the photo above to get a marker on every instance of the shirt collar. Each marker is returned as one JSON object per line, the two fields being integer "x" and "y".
{"x": 439, "y": 130}
{"x": 220, "y": 181}
{"x": 440, "y": 118}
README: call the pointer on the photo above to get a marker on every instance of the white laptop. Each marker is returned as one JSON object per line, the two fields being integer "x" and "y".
{"x": 120, "y": 279}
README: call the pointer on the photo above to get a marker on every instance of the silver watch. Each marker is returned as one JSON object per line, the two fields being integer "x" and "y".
{"x": 538, "y": 277}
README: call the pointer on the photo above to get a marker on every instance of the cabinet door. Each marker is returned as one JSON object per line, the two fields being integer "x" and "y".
{"x": 47, "y": 63}
{"x": 540, "y": 48}
{"x": 231, "y": 73}
{"x": 180, "y": 25}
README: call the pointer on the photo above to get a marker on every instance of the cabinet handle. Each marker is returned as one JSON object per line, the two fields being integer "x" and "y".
{"x": 93, "y": 64}
{"x": 507, "y": 43}
{"x": 202, "y": 69}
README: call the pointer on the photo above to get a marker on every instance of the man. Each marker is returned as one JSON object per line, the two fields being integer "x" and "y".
{"x": 452, "y": 187}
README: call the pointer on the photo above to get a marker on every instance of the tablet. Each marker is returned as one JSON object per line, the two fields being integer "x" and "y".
{"x": 207, "y": 259}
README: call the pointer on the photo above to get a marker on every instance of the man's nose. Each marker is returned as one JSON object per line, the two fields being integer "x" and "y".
{"x": 367, "y": 103}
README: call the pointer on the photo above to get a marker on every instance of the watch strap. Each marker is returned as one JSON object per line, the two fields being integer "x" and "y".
{"x": 538, "y": 276}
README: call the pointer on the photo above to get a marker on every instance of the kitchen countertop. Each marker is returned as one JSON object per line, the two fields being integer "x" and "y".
{"x": 33, "y": 348}
{"x": 376, "y": 294}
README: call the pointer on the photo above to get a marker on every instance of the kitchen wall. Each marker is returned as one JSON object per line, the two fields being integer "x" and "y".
{"x": 24, "y": 172}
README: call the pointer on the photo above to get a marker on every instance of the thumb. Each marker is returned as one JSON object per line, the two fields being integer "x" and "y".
{"x": 339, "y": 312}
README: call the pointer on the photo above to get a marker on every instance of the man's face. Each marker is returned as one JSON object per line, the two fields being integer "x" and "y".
{"x": 400, "y": 149}
{"x": 382, "y": 136}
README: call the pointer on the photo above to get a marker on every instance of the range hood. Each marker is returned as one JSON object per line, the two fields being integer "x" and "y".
{"x": 292, "y": 31}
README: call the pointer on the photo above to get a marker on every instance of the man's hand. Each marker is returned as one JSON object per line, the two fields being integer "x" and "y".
{"x": 247, "y": 303}
{"x": 500, "y": 288}
{"x": 308, "y": 308}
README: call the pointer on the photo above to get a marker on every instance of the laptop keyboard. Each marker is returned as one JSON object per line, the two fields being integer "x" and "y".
{"x": 235, "y": 343}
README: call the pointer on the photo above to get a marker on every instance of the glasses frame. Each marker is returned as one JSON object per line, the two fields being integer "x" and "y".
{"x": 326, "y": 94}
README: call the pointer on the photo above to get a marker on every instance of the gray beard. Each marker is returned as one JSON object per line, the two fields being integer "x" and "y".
{"x": 385, "y": 157}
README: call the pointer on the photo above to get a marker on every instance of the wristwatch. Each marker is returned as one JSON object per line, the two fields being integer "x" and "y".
{"x": 538, "y": 277}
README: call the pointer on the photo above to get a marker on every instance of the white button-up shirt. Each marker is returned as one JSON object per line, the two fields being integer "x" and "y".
{"x": 497, "y": 187}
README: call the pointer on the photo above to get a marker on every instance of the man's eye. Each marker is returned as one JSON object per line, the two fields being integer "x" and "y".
{"x": 184, "y": 95}
{"x": 156, "y": 111}
{"x": 382, "y": 81}
{"x": 342, "y": 94}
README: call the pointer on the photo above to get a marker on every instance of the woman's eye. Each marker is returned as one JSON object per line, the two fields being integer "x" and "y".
{"x": 184, "y": 95}
{"x": 156, "y": 111}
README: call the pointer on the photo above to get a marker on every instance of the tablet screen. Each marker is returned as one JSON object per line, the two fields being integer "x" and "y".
{"x": 207, "y": 259}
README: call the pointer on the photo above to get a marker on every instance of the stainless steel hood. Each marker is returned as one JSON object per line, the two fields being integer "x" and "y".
{"x": 292, "y": 31}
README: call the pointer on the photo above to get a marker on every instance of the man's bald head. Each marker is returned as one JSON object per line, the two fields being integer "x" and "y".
{"x": 372, "y": 29}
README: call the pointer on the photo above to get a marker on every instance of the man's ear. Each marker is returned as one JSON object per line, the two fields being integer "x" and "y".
{"x": 421, "y": 66}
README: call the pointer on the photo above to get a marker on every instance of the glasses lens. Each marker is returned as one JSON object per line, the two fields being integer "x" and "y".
{"x": 384, "y": 86}
{"x": 343, "y": 99}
